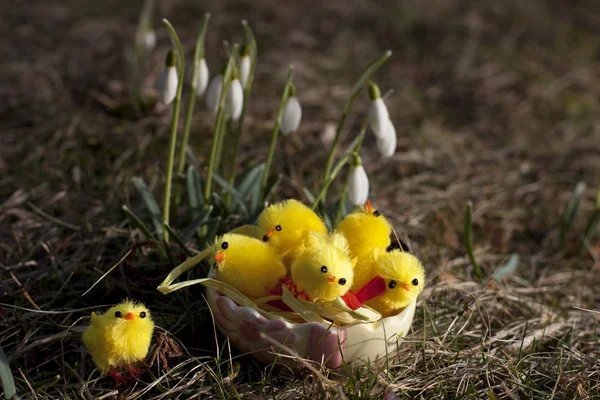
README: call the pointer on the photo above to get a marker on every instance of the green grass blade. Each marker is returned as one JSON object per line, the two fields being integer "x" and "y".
{"x": 591, "y": 229}
{"x": 234, "y": 193}
{"x": 271, "y": 189}
{"x": 138, "y": 223}
{"x": 150, "y": 203}
{"x": 507, "y": 269}
{"x": 212, "y": 229}
{"x": 309, "y": 196}
{"x": 251, "y": 180}
{"x": 370, "y": 71}
{"x": 469, "y": 241}
{"x": 192, "y": 228}
{"x": 6, "y": 377}
{"x": 194, "y": 188}
{"x": 571, "y": 212}
{"x": 178, "y": 240}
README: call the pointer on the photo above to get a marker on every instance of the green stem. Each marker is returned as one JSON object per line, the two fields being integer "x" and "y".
{"x": 219, "y": 125}
{"x": 198, "y": 55}
{"x": 275, "y": 134}
{"x": 355, "y": 91}
{"x": 174, "y": 123}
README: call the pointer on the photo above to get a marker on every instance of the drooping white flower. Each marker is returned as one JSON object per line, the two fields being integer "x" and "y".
{"x": 245, "y": 65}
{"x": 167, "y": 83}
{"x": 358, "y": 184}
{"x": 378, "y": 113}
{"x": 213, "y": 93}
{"x": 201, "y": 81}
{"x": 387, "y": 145}
{"x": 292, "y": 114}
{"x": 235, "y": 100}
{"x": 146, "y": 39}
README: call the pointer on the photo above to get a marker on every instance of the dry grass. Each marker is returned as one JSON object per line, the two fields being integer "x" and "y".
{"x": 494, "y": 103}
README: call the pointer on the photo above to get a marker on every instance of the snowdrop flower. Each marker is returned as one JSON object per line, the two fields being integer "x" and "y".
{"x": 245, "y": 65}
{"x": 358, "y": 183}
{"x": 235, "y": 98}
{"x": 201, "y": 81}
{"x": 213, "y": 93}
{"x": 378, "y": 113}
{"x": 292, "y": 114}
{"x": 387, "y": 145}
{"x": 167, "y": 84}
{"x": 146, "y": 39}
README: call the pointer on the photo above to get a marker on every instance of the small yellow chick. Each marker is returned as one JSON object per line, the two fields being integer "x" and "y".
{"x": 366, "y": 229}
{"x": 405, "y": 278}
{"x": 323, "y": 271}
{"x": 120, "y": 337}
{"x": 248, "y": 264}
{"x": 285, "y": 226}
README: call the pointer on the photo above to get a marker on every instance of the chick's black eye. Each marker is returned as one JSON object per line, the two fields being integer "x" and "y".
{"x": 278, "y": 228}
{"x": 392, "y": 284}
{"x": 118, "y": 314}
{"x": 143, "y": 314}
{"x": 376, "y": 213}
{"x": 324, "y": 269}
{"x": 224, "y": 245}
{"x": 342, "y": 281}
{"x": 415, "y": 282}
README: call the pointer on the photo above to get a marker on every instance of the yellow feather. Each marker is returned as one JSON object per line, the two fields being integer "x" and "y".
{"x": 114, "y": 341}
{"x": 365, "y": 230}
{"x": 249, "y": 265}
{"x": 323, "y": 268}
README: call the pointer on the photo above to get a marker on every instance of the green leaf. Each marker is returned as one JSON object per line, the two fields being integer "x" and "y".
{"x": 6, "y": 377}
{"x": 194, "y": 189}
{"x": 173, "y": 235}
{"x": 507, "y": 269}
{"x": 192, "y": 228}
{"x": 591, "y": 231}
{"x": 571, "y": 212}
{"x": 150, "y": 203}
{"x": 212, "y": 229}
{"x": 308, "y": 194}
{"x": 234, "y": 193}
{"x": 251, "y": 180}
{"x": 271, "y": 190}
{"x": 469, "y": 243}
{"x": 138, "y": 223}
{"x": 370, "y": 71}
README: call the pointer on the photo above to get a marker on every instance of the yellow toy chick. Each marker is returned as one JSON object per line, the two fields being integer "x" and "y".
{"x": 404, "y": 277}
{"x": 119, "y": 338}
{"x": 366, "y": 229}
{"x": 323, "y": 271}
{"x": 285, "y": 226}
{"x": 248, "y": 264}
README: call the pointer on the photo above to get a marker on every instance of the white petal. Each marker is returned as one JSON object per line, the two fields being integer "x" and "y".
{"x": 244, "y": 70}
{"x": 292, "y": 115}
{"x": 213, "y": 93}
{"x": 235, "y": 100}
{"x": 201, "y": 78}
{"x": 167, "y": 85}
{"x": 358, "y": 186}
{"x": 387, "y": 145}
{"x": 378, "y": 117}
{"x": 147, "y": 39}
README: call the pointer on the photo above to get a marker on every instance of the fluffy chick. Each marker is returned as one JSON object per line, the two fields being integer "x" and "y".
{"x": 120, "y": 337}
{"x": 248, "y": 264}
{"x": 405, "y": 278}
{"x": 285, "y": 225}
{"x": 323, "y": 270}
{"x": 366, "y": 229}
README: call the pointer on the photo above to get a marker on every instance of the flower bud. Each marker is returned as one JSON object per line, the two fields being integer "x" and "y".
{"x": 235, "y": 100}
{"x": 201, "y": 81}
{"x": 213, "y": 93}
{"x": 245, "y": 65}
{"x": 292, "y": 114}
{"x": 358, "y": 184}
{"x": 146, "y": 39}
{"x": 387, "y": 145}
{"x": 167, "y": 83}
{"x": 378, "y": 113}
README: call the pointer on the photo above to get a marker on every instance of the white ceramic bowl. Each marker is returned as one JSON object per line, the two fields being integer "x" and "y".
{"x": 360, "y": 342}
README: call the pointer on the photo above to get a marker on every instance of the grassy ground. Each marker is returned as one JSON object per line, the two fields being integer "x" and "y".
{"x": 494, "y": 102}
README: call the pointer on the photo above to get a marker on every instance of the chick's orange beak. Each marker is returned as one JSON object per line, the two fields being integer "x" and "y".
{"x": 219, "y": 257}
{"x": 405, "y": 287}
{"x": 129, "y": 316}
{"x": 267, "y": 235}
{"x": 331, "y": 278}
{"x": 369, "y": 207}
